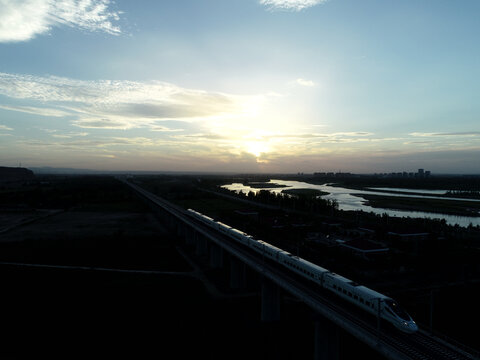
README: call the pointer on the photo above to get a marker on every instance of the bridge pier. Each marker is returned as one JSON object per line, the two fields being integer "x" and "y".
{"x": 167, "y": 218}
{"x": 181, "y": 229}
{"x": 172, "y": 222}
{"x": 325, "y": 340}
{"x": 201, "y": 245}
{"x": 238, "y": 273}
{"x": 190, "y": 236}
{"x": 216, "y": 256}
{"x": 270, "y": 301}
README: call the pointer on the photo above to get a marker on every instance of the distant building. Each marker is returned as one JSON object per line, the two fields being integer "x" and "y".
{"x": 343, "y": 175}
{"x": 330, "y": 225}
{"x": 413, "y": 241}
{"x": 363, "y": 247}
{"x": 362, "y": 232}
{"x": 321, "y": 238}
{"x": 408, "y": 236}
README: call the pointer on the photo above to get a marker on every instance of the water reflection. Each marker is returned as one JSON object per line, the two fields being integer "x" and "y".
{"x": 348, "y": 201}
{"x": 423, "y": 191}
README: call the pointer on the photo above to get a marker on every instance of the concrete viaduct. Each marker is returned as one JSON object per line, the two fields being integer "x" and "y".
{"x": 393, "y": 345}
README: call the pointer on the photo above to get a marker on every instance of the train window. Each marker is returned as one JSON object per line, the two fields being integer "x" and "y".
{"x": 355, "y": 297}
{"x": 361, "y": 300}
{"x": 349, "y": 294}
{"x": 393, "y": 305}
{"x": 389, "y": 311}
{"x": 367, "y": 303}
{"x": 344, "y": 291}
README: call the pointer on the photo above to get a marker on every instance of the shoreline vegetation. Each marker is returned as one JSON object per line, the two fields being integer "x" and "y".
{"x": 449, "y": 207}
{"x": 465, "y": 192}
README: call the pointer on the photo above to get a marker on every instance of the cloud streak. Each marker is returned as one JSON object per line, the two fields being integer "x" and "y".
{"x": 22, "y": 20}
{"x": 303, "y": 82}
{"x": 291, "y": 5}
{"x": 463, "y": 133}
{"x": 36, "y": 110}
{"x": 112, "y": 104}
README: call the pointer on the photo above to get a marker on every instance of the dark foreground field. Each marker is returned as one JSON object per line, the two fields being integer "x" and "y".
{"x": 87, "y": 309}
{"x": 84, "y": 309}
{"x": 81, "y": 314}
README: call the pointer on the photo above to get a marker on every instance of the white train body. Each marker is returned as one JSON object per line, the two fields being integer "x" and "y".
{"x": 361, "y": 296}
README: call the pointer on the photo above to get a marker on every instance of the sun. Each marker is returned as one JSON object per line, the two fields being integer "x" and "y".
{"x": 256, "y": 147}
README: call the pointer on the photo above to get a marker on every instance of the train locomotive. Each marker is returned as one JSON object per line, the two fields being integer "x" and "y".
{"x": 362, "y": 297}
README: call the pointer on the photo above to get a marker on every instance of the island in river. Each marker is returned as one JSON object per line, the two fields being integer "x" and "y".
{"x": 264, "y": 185}
{"x": 305, "y": 192}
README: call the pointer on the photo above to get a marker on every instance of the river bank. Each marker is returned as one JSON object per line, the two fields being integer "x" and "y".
{"x": 438, "y": 206}
{"x": 454, "y": 211}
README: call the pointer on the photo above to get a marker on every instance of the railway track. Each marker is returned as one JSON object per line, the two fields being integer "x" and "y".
{"x": 388, "y": 341}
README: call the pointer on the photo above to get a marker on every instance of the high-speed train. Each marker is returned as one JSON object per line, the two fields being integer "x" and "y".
{"x": 361, "y": 296}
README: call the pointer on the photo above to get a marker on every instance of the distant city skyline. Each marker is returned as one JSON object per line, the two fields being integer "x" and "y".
{"x": 273, "y": 86}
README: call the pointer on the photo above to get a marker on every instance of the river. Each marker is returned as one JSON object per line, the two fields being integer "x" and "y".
{"x": 347, "y": 200}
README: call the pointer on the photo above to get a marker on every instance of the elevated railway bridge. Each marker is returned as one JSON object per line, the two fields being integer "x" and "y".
{"x": 332, "y": 312}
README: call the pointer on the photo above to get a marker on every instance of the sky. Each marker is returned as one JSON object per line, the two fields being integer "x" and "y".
{"x": 271, "y": 86}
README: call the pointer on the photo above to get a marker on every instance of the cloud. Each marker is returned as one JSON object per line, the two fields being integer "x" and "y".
{"x": 102, "y": 124}
{"x": 22, "y": 20}
{"x": 304, "y": 82}
{"x": 117, "y": 104}
{"x": 89, "y": 144}
{"x": 464, "y": 133}
{"x": 69, "y": 135}
{"x": 160, "y": 128}
{"x": 324, "y": 137}
{"x": 204, "y": 137}
{"x": 36, "y": 110}
{"x": 294, "y": 5}
{"x": 4, "y": 127}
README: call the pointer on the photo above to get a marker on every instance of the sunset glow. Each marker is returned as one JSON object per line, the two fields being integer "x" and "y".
{"x": 241, "y": 86}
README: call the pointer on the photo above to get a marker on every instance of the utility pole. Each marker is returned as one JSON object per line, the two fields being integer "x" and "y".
{"x": 432, "y": 293}
{"x": 378, "y": 319}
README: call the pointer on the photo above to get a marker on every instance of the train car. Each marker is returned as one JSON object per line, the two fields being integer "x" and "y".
{"x": 369, "y": 300}
{"x": 223, "y": 228}
{"x": 270, "y": 251}
{"x": 258, "y": 246}
{"x": 239, "y": 236}
{"x": 203, "y": 218}
{"x": 359, "y": 295}
{"x": 303, "y": 267}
